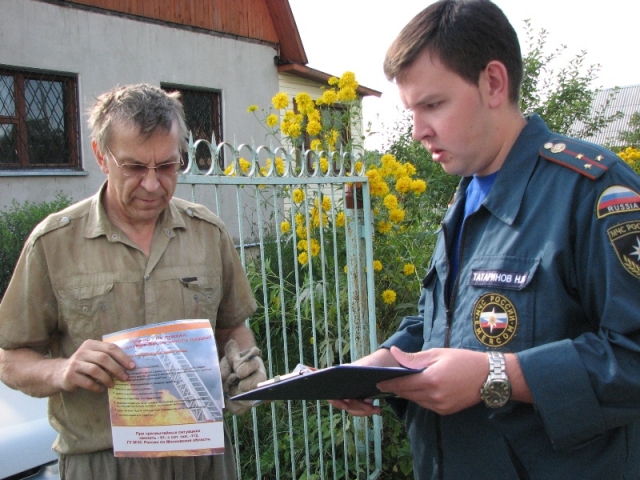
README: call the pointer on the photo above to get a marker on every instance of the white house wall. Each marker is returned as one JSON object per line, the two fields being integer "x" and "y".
{"x": 106, "y": 50}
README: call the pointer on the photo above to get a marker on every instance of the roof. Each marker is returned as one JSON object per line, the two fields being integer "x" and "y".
{"x": 625, "y": 100}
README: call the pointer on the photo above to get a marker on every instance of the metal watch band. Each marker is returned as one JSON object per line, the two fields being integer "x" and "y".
{"x": 497, "y": 366}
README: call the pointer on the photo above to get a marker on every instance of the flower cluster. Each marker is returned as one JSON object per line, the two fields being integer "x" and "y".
{"x": 631, "y": 156}
{"x": 395, "y": 190}
{"x": 400, "y": 176}
{"x": 307, "y": 122}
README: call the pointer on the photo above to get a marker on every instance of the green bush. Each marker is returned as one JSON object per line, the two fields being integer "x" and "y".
{"x": 16, "y": 223}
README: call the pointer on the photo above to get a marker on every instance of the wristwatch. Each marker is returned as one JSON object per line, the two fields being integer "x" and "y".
{"x": 496, "y": 391}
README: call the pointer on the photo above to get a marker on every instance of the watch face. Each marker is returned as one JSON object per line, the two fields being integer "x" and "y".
{"x": 496, "y": 393}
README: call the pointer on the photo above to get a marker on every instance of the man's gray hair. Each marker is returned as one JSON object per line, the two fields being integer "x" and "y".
{"x": 147, "y": 107}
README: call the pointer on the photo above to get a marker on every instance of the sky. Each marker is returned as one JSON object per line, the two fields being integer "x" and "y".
{"x": 341, "y": 35}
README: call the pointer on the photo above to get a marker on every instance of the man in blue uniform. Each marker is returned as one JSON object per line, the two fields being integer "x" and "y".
{"x": 528, "y": 323}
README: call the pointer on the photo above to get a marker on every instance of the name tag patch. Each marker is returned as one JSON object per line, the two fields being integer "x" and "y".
{"x": 499, "y": 278}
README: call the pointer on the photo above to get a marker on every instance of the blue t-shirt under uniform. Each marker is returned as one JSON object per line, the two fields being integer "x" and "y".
{"x": 476, "y": 192}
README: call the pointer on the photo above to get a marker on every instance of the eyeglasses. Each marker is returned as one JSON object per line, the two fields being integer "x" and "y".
{"x": 168, "y": 169}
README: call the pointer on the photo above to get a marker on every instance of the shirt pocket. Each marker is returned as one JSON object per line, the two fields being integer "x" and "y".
{"x": 88, "y": 312}
{"x": 201, "y": 297}
{"x": 500, "y": 294}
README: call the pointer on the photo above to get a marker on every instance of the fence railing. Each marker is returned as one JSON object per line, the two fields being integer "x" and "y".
{"x": 304, "y": 234}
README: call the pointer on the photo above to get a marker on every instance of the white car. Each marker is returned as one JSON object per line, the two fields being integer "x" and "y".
{"x": 25, "y": 437}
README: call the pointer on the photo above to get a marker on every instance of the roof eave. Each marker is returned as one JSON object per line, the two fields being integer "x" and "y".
{"x": 321, "y": 77}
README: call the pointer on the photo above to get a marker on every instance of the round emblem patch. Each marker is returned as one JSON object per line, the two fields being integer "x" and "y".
{"x": 495, "y": 320}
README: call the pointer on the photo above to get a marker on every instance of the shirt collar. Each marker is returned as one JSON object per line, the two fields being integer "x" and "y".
{"x": 505, "y": 198}
{"x": 98, "y": 223}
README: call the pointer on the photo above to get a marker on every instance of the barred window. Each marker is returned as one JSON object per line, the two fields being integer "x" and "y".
{"x": 38, "y": 120}
{"x": 203, "y": 114}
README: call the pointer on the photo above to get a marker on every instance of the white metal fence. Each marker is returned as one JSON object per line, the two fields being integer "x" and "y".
{"x": 305, "y": 240}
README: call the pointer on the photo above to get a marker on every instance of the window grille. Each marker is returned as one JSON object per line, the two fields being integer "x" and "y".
{"x": 203, "y": 114}
{"x": 38, "y": 120}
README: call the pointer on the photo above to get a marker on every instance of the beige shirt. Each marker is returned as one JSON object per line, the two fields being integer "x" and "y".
{"x": 80, "y": 277}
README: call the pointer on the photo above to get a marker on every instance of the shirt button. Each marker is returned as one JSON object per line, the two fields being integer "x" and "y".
{"x": 114, "y": 236}
{"x": 147, "y": 277}
{"x": 64, "y": 220}
{"x": 189, "y": 212}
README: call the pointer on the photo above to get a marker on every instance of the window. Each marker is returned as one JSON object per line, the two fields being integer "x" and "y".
{"x": 203, "y": 113}
{"x": 38, "y": 120}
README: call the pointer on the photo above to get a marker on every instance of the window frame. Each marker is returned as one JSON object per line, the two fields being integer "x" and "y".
{"x": 216, "y": 114}
{"x": 71, "y": 125}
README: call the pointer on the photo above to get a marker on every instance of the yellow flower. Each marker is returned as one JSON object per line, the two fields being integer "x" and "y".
{"x": 280, "y": 101}
{"x": 348, "y": 79}
{"x": 252, "y": 108}
{"x": 272, "y": 120}
{"x": 315, "y": 145}
{"x": 418, "y": 186}
{"x": 328, "y": 97}
{"x": 384, "y": 227}
{"x": 333, "y": 80}
{"x": 301, "y": 231}
{"x": 314, "y": 115}
{"x": 279, "y": 165}
{"x": 324, "y": 164}
{"x": 299, "y": 219}
{"x": 388, "y": 297}
{"x": 378, "y": 186}
{"x": 304, "y": 103}
{"x": 315, "y": 247}
{"x": 377, "y": 265}
{"x": 314, "y": 127}
{"x": 358, "y": 167}
{"x": 390, "y": 201}
{"x": 332, "y": 137}
{"x": 230, "y": 171}
{"x": 303, "y": 258}
{"x": 345, "y": 269}
{"x": 340, "y": 219}
{"x": 411, "y": 169}
{"x": 298, "y": 195}
{"x": 347, "y": 93}
{"x": 396, "y": 215}
{"x": 408, "y": 269}
{"x": 312, "y": 340}
{"x": 326, "y": 203}
{"x": 245, "y": 165}
{"x": 302, "y": 245}
{"x": 285, "y": 227}
{"x": 403, "y": 184}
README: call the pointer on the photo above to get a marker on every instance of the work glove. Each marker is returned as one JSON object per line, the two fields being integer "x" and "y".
{"x": 240, "y": 373}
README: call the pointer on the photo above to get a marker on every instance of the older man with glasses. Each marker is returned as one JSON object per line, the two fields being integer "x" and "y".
{"x": 131, "y": 255}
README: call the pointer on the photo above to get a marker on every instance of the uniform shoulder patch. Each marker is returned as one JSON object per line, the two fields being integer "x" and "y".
{"x": 625, "y": 239}
{"x": 617, "y": 199}
{"x": 197, "y": 211}
{"x": 588, "y": 159}
{"x": 61, "y": 219}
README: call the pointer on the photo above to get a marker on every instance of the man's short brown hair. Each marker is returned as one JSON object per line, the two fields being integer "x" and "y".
{"x": 465, "y": 35}
{"x": 147, "y": 107}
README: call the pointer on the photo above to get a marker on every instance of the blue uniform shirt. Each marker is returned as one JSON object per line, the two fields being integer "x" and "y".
{"x": 549, "y": 268}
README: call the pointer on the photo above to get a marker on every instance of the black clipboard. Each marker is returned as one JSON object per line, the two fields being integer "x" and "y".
{"x": 332, "y": 383}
